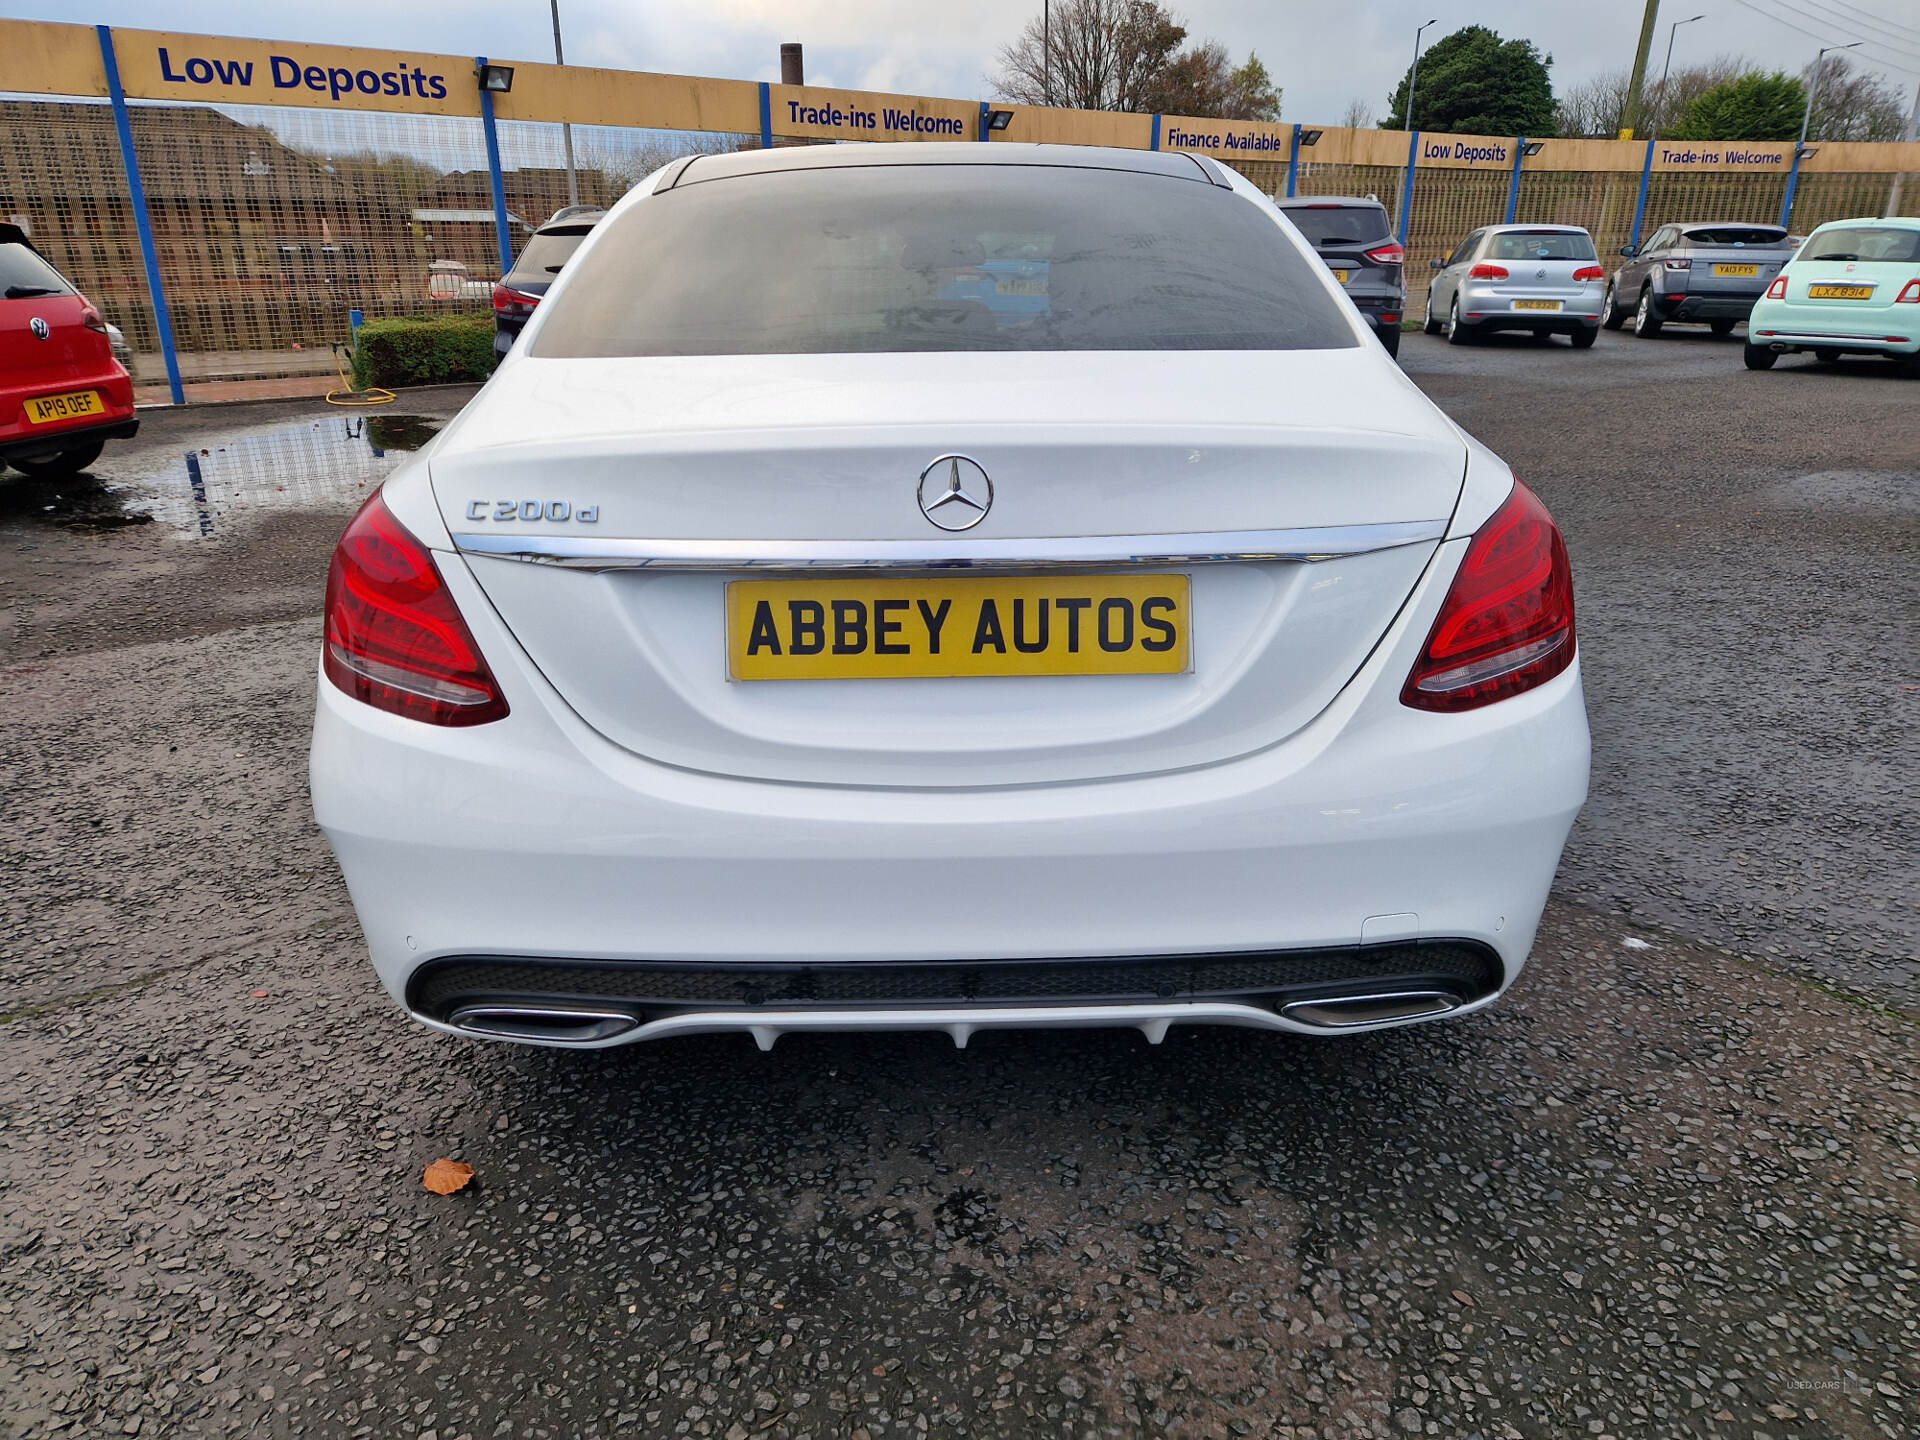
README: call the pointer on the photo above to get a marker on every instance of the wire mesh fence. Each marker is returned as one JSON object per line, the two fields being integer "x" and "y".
{"x": 272, "y": 223}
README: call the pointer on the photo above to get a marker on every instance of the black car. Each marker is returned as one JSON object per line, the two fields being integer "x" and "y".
{"x": 549, "y": 248}
{"x": 1357, "y": 243}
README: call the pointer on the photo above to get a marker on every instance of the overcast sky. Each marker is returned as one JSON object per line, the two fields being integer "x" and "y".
{"x": 1323, "y": 55}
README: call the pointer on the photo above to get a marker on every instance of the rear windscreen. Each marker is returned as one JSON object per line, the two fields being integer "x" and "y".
{"x": 1737, "y": 235}
{"x": 547, "y": 252}
{"x": 891, "y": 258}
{"x": 1865, "y": 242}
{"x": 1340, "y": 224}
{"x": 1541, "y": 245}
{"x": 24, "y": 274}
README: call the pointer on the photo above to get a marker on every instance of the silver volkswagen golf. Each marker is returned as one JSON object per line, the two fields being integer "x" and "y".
{"x": 1546, "y": 279}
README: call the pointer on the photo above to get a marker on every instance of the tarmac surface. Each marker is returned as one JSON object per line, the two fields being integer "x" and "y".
{"x": 1666, "y": 1188}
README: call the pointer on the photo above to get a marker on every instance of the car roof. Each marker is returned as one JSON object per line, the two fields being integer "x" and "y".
{"x": 697, "y": 169}
{"x": 1308, "y": 202}
{"x": 1536, "y": 229}
{"x": 1903, "y": 222}
{"x": 1726, "y": 224}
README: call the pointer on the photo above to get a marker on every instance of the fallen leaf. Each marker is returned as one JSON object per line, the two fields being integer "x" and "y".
{"x": 443, "y": 1177}
{"x": 1463, "y": 1297}
{"x": 259, "y": 994}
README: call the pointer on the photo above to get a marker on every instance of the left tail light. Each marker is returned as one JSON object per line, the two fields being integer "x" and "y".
{"x": 511, "y": 302}
{"x": 1487, "y": 272}
{"x": 1507, "y": 622}
{"x": 394, "y": 639}
{"x": 1679, "y": 264}
{"x": 1778, "y": 289}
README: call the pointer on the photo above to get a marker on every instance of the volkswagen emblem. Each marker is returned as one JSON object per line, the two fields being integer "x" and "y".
{"x": 41, "y": 330}
{"x": 1539, "y": 274}
{"x": 955, "y": 493}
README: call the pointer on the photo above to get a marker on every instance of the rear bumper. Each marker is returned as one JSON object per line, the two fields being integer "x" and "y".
{"x": 24, "y": 444}
{"x": 1704, "y": 307}
{"x": 1885, "y": 330}
{"x": 535, "y": 840}
{"x": 1493, "y": 311}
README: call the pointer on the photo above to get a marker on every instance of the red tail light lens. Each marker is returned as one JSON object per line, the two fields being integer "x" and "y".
{"x": 1487, "y": 272}
{"x": 1778, "y": 289}
{"x": 1393, "y": 254}
{"x": 394, "y": 639}
{"x": 1590, "y": 272}
{"x": 1910, "y": 295}
{"x": 513, "y": 302}
{"x": 92, "y": 318}
{"x": 1507, "y": 622}
{"x": 1679, "y": 264}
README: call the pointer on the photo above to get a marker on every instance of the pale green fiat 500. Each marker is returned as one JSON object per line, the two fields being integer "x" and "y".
{"x": 1852, "y": 289}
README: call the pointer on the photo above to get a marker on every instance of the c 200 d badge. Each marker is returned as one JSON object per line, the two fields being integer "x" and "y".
{"x": 554, "y": 510}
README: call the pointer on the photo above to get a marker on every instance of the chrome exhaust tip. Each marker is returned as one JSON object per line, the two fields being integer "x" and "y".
{"x": 547, "y": 1025}
{"x": 1350, "y": 1012}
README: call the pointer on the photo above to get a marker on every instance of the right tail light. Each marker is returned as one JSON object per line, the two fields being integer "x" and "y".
{"x": 1909, "y": 294}
{"x": 394, "y": 638}
{"x": 1507, "y": 622}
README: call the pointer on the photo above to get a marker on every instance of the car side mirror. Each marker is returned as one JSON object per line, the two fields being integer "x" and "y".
{"x": 1437, "y": 264}
{"x": 1629, "y": 250}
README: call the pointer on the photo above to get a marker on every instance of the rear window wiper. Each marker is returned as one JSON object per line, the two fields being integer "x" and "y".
{"x": 1837, "y": 255}
{"x": 1340, "y": 240}
{"x": 22, "y": 292}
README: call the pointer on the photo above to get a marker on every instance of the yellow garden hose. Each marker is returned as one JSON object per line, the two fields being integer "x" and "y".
{"x": 349, "y": 396}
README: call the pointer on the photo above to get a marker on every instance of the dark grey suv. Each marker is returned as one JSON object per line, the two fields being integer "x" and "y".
{"x": 1699, "y": 273}
{"x": 547, "y": 250}
{"x": 1357, "y": 243}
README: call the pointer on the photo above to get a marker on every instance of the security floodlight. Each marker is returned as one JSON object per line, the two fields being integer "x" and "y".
{"x": 497, "y": 78}
{"x": 999, "y": 119}
{"x": 1310, "y": 137}
{"x": 1532, "y": 147}
{"x": 1806, "y": 152}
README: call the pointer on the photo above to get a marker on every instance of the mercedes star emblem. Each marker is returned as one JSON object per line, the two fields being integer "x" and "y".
{"x": 955, "y": 493}
{"x": 41, "y": 330}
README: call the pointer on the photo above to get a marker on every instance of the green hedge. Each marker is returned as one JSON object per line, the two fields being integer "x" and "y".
{"x": 438, "y": 350}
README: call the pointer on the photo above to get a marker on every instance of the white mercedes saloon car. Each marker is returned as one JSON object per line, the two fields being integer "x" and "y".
{"x": 947, "y": 587}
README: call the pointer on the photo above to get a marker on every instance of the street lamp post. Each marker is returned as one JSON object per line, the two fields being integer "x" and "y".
{"x": 566, "y": 130}
{"x": 1413, "y": 76}
{"x": 1814, "y": 89}
{"x": 1046, "y": 51}
{"x": 1665, "y": 71}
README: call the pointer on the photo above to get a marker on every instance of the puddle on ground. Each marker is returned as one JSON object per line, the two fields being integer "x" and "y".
{"x": 320, "y": 464}
{"x": 78, "y": 502}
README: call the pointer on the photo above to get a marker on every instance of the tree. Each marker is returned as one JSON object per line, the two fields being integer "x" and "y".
{"x": 1358, "y": 115}
{"x": 1202, "y": 81}
{"x": 1853, "y": 104}
{"x": 1126, "y": 55}
{"x": 1598, "y": 107}
{"x": 1749, "y": 107}
{"x": 1475, "y": 83}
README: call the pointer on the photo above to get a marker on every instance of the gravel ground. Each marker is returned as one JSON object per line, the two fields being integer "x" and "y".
{"x": 1666, "y": 1189}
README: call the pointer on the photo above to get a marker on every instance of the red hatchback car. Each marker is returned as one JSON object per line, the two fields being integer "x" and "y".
{"x": 62, "y": 394}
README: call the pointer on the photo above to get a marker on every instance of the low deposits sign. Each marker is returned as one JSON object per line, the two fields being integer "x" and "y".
{"x": 161, "y": 66}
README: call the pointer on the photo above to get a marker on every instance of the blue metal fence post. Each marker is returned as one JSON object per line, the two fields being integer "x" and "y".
{"x": 501, "y": 233}
{"x": 766, "y": 116}
{"x": 137, "y": 194}
{"x": 1793, "y": 180}
{"x": 1293, "y": 164}
{"x": 1406, "y": 191}
{"x": 1513, "y": 185}
{"x": 1640, "y": 205}
{"x": 1154, "y": 144}
{"x": 986, "y": 121}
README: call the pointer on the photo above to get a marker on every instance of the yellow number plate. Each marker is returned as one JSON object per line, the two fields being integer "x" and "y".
{"x": 1736, "y": 269}
{"x": 871, "y": 629}
{"x": 1839, "y": 292}
{"x": 64, "y": 407}
{"x": 1345, "y": 276}
{"x": 1536, "y": 304}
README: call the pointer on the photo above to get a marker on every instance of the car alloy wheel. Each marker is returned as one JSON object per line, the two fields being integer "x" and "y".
{"x": 1613, "y": 317}
{"x": 1646, "y": 321}
{"x": 1458, "y": 331}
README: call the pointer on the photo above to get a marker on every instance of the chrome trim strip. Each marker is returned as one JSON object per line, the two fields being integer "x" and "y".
{"x": 1218, "y": 547}
{"x": 1152, "y": 1020}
